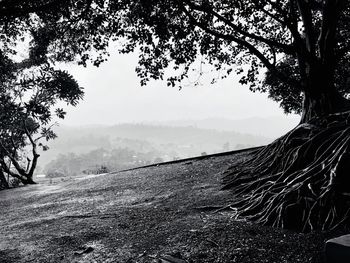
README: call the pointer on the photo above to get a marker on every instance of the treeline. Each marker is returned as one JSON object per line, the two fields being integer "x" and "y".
{"x": 99, "y": 161}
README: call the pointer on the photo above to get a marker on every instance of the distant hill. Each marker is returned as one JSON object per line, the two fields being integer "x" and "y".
{"x": 169, "y": 142}
{"x": 270, "y": 127}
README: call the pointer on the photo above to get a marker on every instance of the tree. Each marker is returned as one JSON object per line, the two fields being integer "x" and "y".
{"x": 30, "y": 88}
{"x": 300, "y": 180}
{"x": 26, "y": 110}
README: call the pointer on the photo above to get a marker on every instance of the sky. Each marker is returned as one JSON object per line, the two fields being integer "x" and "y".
{"x": 113, "y": 95}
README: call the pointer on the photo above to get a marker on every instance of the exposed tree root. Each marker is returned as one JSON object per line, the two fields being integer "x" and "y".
{"x": 301, "y": 180}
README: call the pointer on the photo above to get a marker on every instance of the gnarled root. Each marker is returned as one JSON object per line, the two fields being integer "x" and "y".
{"x": 301, "y": 180}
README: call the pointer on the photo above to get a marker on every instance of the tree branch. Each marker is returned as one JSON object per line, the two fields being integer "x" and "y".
{"x": 302, "y": 52}
{"x": 34, "y": 151}
{"x": 253, "y": 50}
{"x": 13, "y": 160}
{"x": 288, "y": 49}
{"x": 8, "y": 170}
{"x": 326, "y": 40}
{"x": 306, "y": 15}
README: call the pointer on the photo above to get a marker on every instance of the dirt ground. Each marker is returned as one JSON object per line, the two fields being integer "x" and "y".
{"x": 166, "y": 213}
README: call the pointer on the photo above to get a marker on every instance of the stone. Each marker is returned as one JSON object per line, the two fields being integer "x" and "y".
{"x": 171, "y": 259}
{"x": 338, "y": 249}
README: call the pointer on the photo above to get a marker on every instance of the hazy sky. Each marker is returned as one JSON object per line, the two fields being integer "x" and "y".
{"x": 113, "y": 95}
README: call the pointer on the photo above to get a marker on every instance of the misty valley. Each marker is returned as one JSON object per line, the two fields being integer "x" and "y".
{"x": 100, "y": 149}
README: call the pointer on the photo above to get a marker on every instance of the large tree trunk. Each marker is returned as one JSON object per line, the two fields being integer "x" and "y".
{"x": 3, "y": 181}
{"x": 320, "y": 95}
{"x": 301, "y": 180}
{"x": 28, "y": 180}
{"x": 322, "y": 104}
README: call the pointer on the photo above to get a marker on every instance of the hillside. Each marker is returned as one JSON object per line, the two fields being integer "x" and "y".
{"x": 164, "y": 142}
{"x": 166, "y": 213}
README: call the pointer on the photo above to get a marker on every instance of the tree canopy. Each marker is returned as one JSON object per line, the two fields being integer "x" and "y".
{"x": 233, "y": 36}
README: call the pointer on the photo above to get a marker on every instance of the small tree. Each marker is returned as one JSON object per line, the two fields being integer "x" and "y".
{"x": 26, "y": 111}
{"x": 30, "y": 83}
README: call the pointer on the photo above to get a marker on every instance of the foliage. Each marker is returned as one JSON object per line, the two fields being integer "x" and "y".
{"x": 240, "y": 36}
{"x": 27, "y": 106}
{"x": 30, "y": 89}
{"x": 290, "y": 97}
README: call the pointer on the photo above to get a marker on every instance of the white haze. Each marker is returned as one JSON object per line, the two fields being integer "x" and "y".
{"x": 163, "y": 122}
{"x": 113, "y": 95}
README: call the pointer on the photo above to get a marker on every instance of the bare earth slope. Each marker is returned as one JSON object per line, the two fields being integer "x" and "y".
{"x": 155, "y": 214}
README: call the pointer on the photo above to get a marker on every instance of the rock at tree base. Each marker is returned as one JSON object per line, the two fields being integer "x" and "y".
{"x": 338, "y": 249}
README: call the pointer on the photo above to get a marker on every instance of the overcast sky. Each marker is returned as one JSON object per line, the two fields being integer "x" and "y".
{"x": 113, "y": 95}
